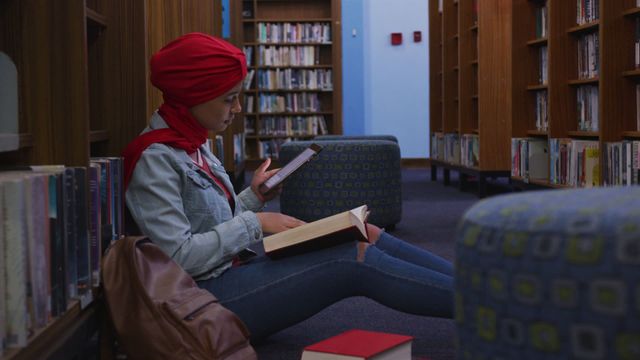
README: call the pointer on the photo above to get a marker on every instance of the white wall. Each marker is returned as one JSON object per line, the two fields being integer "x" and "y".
{"x": 396, "y": 78}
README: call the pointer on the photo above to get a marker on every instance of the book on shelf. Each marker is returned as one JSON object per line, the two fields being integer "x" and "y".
{"x": 361, "y": 344}
{"x": 542, "y": 24}
{"x": 637, "y": 43}
{"x": 248, "y": 80}
{"x": 587, "y": 107}
{"x": 621, "y": 163}
{"x": 588, "y": 56}
{"x": 529, "y": 158}
{"x": 346, "y": 226}
{"x": 587, "y": 11}
{"x": 95, "y": 225}
{"x": 15, "y": 260}
{"x": 293, "y": 165}
{"x": 542, "y": 76}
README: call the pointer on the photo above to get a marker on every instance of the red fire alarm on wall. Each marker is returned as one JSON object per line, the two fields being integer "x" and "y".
{"x": 417, "y": 36}
{"x": 396, "y": 38}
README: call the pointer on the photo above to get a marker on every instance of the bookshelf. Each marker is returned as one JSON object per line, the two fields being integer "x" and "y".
{"x": 592, "y": 88}
{"x": 83, "y": 92}
{"x": 294, "y": 97}
{"x": 469, "y": 126}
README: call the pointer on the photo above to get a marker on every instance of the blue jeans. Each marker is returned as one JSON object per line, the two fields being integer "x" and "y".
{"x": 271, "y": 295}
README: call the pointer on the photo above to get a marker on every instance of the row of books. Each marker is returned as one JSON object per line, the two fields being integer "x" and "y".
{"x": 587, "y": 101}
{"x": 542, "y": 21}
{"x": 294, "y": 32}
{"x": 542, "y": 110}
{"x": 637, "y": 44}
{"x": 562, "y": 161}
{"x": 248, "y": 53}
{"x": 446, "y": 147}
{"x": 437, "y": 146}
{"x": 470, "y": 150}
{"x": 588, "y": 56}
{"x": 288, "y": 55}
{"x": 543, "y": 72}
{"x": 621, "y": 163}
{"x": 291, "y": 102}
{"x": 57, "y": 222}
{"x": 530, "y": 158}
{"x": 287, "y": 125}
{"x": 587, "y": 11}
{"x": 574, "y": 162}
{"x": 456, "y": 149}
{"x": 295, "y": 79}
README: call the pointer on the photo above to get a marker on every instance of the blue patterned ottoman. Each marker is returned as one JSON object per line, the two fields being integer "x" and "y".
{"x": 550, "y": 275}
{"x": 356, "y": 137}
{"x": 344, "y": 175}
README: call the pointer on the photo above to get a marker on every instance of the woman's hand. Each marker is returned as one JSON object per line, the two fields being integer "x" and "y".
{"x": 260, "y": 176}
{"x": 275, "y": 222}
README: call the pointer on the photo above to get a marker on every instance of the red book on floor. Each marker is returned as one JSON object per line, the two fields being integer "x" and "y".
{"x": 361, "y": 344}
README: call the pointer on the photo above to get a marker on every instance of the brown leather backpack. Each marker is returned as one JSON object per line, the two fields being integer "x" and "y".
{"x": 159, "y": 312}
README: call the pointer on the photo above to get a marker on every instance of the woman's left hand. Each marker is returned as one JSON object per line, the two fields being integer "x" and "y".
{"x": 260, "y": 176}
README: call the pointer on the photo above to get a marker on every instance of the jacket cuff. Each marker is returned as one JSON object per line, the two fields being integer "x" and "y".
{"x": 254, "y": 228}
{"x": 250, "y": 200}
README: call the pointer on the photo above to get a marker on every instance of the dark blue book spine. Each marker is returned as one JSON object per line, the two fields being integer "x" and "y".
{"x": 70, "y": 247}
{"x": 82, "y": 230}
{"x": 94, "y": 222}
{"x": 56, "y": 219}
{"x": 118, "y": 198}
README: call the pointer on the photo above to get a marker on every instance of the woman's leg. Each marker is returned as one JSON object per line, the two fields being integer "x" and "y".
{"x": 403, "y": 250}
{"x": 271, "y": 295}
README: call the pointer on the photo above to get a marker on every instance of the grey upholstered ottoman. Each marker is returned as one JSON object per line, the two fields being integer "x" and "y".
{"x": 550, "y": 275}
{"x": 344, "y": 175}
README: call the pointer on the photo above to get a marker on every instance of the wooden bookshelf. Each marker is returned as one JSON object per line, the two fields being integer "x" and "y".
{"x": 248, "y": 16}
{"x": 83, "y": 92}
{"x": 616, "y": 78}
{"x": 474, "y": 86}
{"x": 435, "y": 78}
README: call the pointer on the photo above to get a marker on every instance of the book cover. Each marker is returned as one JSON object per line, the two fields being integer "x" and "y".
{"x": 346, "y": 226}
{"x": 56, "y": 225}
{"x": 95, "y": 235}
{"x": 82, "y": 232}
{"x": 361, "y": 344}
{"x": 55, "y": 249}
{"x": 106, "y": 188}
{"x": 15, "y": 260}
{"x": 37, "y": 206}
{"x": 70, "y": 237}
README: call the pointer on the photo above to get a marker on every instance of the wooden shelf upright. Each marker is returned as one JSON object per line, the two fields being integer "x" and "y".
{"x": 475, "y": 37}
{"x": 616, "y": 76}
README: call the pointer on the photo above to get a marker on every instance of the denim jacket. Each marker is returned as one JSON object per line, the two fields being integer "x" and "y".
{"x": 183, "y": 211}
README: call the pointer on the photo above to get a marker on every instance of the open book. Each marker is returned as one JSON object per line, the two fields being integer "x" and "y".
{"x": 291, "y": 166}
{"x": 346, "y": 226}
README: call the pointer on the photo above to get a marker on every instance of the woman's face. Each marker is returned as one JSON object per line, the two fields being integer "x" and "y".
{"x": 217, "y": 114}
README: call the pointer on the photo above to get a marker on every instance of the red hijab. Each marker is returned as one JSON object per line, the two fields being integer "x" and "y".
{"x": 190, "y": 70}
